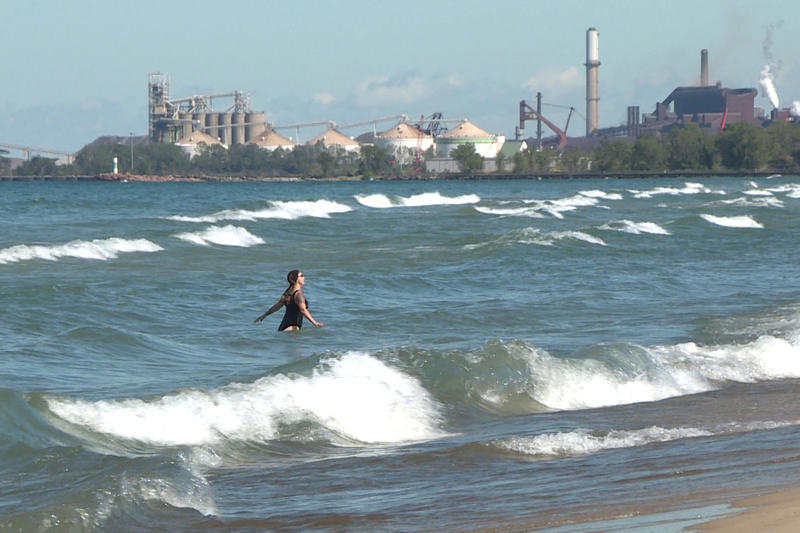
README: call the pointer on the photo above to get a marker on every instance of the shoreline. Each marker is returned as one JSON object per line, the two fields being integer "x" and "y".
{"x": 777, "y": 511}
{"x": 430, "y": 177}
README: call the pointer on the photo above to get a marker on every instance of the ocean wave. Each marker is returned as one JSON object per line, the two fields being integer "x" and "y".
{"x": 101, "y": 249}
{"x": 538, "y": 208}
{"x": 688, "y": 188}
{"x": 759, "y": 201}
{"x": 381, "y": 201}
{"x": 291, "y": 210}
{"x": 538, "y": 237}
{"x": 602, "y": 195}
{"x": 743, "y": 221}
{"x": 224, "y": 236}
{"x": 585, "y": 442}
{"x": 629, "y": 226}
{"x": 351, "y": 399}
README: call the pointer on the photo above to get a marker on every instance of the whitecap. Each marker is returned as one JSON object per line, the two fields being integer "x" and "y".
{"x": 743, "y": 221}
{"x": 101, "y": 249}
{"x": 290, "y": 210}
{"x": 355, "y": 398}
{"x": 224, "y": 236}
{"x": 636, "y": 228}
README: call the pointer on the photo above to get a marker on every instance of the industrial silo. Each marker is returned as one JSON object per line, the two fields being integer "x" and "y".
{"x": 186, "y": 123}
{"x": 403, "y": 141}
{"x": 486, "y": 144}
{"x": 225, "y": 128}
{"x": 256, "y": 125}
{"x": 212, "y": 125}
{"x": 199, "y": 121}
{"x": 238, "y": 128}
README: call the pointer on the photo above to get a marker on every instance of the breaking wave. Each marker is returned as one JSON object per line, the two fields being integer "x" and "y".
{"x": 101, "y": 249}
{"x": 743, "y": 221}
{"x": 279, "y": 210}
{"x": 223, "y": 236}
{"x": 381, "y": 201}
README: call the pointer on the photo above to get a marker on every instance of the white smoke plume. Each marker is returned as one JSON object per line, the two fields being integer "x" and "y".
{"x": 768, "y": 85}
{"x": 796, "y": 108}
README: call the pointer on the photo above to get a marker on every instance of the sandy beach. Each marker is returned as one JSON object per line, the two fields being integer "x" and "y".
{"x": 777, "y": 512}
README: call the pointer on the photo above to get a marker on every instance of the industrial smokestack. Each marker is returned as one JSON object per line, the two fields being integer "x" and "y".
{"x": 592, "y": 86}
{"x": 703, "y": 67}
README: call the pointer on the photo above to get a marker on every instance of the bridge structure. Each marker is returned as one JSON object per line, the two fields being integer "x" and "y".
{"x": 27, "y": 151}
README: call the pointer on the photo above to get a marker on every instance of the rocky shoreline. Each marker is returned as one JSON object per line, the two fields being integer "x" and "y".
{"x": 449, "y": 176}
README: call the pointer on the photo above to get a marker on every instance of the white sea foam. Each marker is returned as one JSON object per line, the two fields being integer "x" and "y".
{"x": 584, "y": 442}
{"x": 538, "y": 237}
{"x": 356, "y": 398}
{"x": 602, "y": 195}
{"x": 688, "y": 188}
{"x": 758, "y": 192}
{"x": 743, "y": 221}
{"x": 629, "y": 226}
{"x": 382, "y": 201}
{"x": 536, "y": 208}
{"x": 656, "y": 372}
{"x": 378, "y": 201}
{"x": 280, "y": 210}
{"x": 101, "y": 249}
{"x": 224, "y": 236}
{"x": 532, "y": 212}
{"x": 758, "y": 201}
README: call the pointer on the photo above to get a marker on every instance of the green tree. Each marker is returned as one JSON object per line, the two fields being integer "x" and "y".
{"x": 500, "y": 162}
{"x": 374, "y": 160}
{"x": 467, "y": 158}
{"x": 98, "y": 158}
{"x": 784, "y": 141}
{"x": 38, "y": 166}
{"x": 689, "y": 147}
{"x": 521, "y": 162}
{"x": 647, "y": 154}
{"x": 743, "y": 146}
{"x": 326, "y": 161}
{"x": 572, "y": 160}
{"x": 612, "y": 156}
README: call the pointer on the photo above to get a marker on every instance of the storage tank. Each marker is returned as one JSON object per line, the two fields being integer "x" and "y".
{"x": 403, "y": 140}
{"x": 256, "y": 125}
{"x": 186, "y": 123}
{"x": 237, "y": 136}
{"x": 212, "y": 124}
{"x": 486, "y": 144}
{"x": 225, "y": 128}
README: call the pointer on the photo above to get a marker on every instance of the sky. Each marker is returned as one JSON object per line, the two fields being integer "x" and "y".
{"x": 73, "y": 71}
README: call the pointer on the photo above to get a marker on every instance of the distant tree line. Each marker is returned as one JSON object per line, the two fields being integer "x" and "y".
{"x": 741, "y": 146}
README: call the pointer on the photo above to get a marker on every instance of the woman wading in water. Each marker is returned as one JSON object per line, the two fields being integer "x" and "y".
{"x": 295, "y": 302}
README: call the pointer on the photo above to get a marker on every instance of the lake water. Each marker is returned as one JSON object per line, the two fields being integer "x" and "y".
{"x": 519, "y": 354}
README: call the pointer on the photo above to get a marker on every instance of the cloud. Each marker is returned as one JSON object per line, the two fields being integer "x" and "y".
{"x": 404, "y": 89}
{"x": 323, "y": 98}
{"x": 556, "y": 81}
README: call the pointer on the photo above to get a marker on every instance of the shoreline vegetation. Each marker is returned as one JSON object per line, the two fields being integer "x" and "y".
{"x": 152, "y": 178}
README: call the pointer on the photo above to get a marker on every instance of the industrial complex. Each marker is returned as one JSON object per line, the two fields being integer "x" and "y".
{"x": 228, "y": 119}
{"x": 193, "y": 120}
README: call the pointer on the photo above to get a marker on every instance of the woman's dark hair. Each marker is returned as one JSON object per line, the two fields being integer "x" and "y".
{"x": 291, "y": 277}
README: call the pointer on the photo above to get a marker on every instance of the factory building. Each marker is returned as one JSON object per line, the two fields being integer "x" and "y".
{"x": 333, "y": 139}
{"x": 708, "y": 106}
{"x": 404, "y": 141}
{"x": 193, "y": 143}
{"x": 486, "y": 144}
{"x": 272, "y": 140}
{"x": 172, "y": 119}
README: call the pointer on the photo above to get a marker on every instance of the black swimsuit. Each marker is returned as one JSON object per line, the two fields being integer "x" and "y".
{"x": 292, "y": 316}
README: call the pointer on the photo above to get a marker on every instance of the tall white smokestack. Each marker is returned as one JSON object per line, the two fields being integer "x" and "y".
{"x": 592, "y": 86}
{"x": 703, "y": 67}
